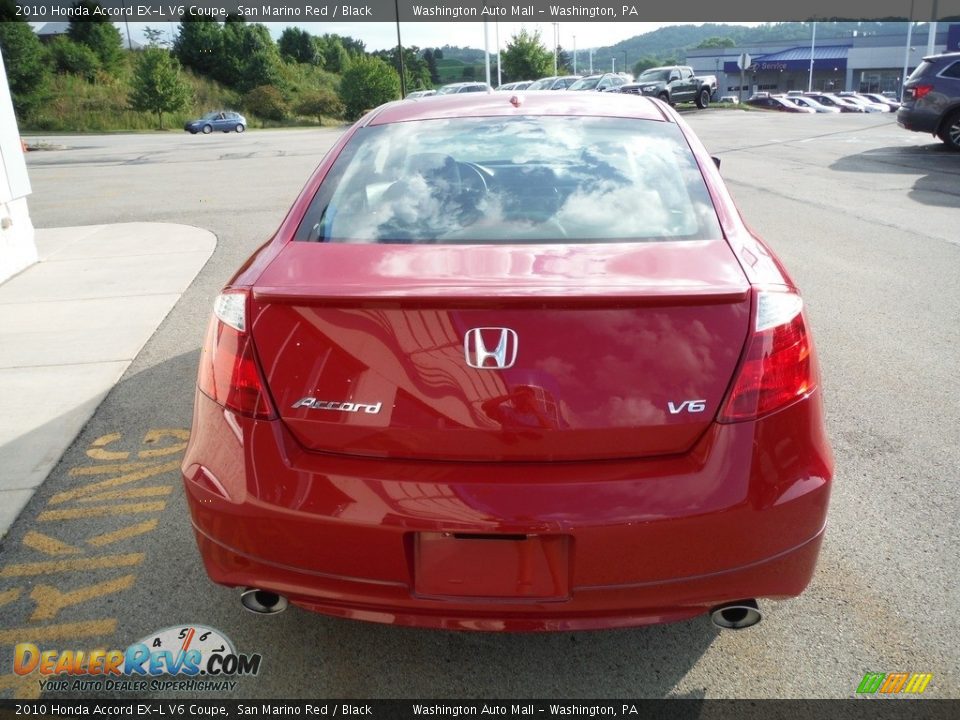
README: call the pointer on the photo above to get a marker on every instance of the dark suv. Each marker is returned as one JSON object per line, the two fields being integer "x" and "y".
{"x": 931, "y": 99}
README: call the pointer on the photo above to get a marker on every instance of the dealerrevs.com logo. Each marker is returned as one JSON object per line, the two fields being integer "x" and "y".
{"x": 896, "y": 684}
{"x": 182, "y": 658}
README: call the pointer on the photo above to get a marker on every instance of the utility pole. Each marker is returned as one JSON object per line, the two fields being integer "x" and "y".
{"x": 932, "y": 30}
{"x": 403, "y": 78}
{"x": 591, "y": 61}
{"x": 556, "y": 44}
{"x": 486, "y": 48}
{"x": 813, "y": 44}
{"x": 499, "y": 76}
{"x": 574, "y": 54}
{"x": 906, "y": 52}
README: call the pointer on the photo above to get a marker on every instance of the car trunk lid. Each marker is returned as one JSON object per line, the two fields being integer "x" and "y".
{"x": 604, "y": 351}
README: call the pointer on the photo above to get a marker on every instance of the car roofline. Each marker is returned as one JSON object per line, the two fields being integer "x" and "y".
{"x": 517, "y": 103}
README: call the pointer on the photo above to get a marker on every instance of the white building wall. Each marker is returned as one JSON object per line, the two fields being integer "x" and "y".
{"x": 17, "y": 247}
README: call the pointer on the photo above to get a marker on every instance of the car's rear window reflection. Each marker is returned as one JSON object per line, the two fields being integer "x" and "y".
{"x": 514, "y": 180}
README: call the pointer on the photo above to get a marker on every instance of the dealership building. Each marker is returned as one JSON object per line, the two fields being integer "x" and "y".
{"x": 863, "y": 63}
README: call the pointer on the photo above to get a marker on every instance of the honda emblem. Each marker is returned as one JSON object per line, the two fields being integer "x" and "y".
{"x": 503, "y": 341}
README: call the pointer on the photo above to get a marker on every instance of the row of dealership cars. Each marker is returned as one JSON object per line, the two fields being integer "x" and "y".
{"x": 824, "y": 102}
{"x": 930, "y": 101}
{"x": 603, "y": 82}
{"x": 672, "y": 84}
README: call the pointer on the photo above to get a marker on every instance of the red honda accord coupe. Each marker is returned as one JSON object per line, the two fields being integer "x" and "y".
{"x": 511, "y": 362}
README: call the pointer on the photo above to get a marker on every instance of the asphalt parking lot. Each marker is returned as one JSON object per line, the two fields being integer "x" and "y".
{"x": 863, "y": 215}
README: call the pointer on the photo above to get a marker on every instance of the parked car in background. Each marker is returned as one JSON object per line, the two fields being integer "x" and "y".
{"x": 463, "y": 87}
{"x": 454, "y": 390}
{"x": 555, "y": 82}
{"x": 673, "y": 84}
{"x": 931, "y": 99}
{"x": 729, "y": 100}
{"x": 600, "y": 83}
{"x": 223, "y": 120}
{"x": 831, "y": 100}
{"x": 519, "y": 85}
{"x": 869, "y": 105}
{"x": 780, "y": 103}
{"x": 543, "y": 83}
{"x": 882, "y": 99}
{"x": 420, "y": 93}
{"x": 809, "y": 102}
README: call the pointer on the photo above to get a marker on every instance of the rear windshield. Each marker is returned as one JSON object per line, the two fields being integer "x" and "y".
{"x": 513, "y": 180}
{"x": 585, "y": 84}
{"x": 542, "y": 83}
{"x": 921, "y": 70}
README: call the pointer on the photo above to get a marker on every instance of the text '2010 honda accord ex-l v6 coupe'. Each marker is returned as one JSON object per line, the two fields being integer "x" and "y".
{"x": 511, "y": 362}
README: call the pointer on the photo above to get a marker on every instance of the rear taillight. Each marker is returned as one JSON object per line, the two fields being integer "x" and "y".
{"x": 920, "y": 90}
{"x": 779, "y": 367}
{"x": 229, "y": 374}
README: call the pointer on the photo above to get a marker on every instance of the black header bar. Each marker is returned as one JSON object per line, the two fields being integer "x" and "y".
{"x": 853, "y": 709}
{"x": 294, "y": 11}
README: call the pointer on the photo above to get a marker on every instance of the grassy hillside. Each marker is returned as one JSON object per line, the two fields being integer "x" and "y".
{"x": 75, "y": 105}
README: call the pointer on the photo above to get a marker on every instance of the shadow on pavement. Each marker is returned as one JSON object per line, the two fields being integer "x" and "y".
{"x": 304, "y": 655}
{"x": 938, "y": 165}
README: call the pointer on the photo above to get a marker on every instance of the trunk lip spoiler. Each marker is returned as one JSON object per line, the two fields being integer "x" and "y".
{"x": 552, "y": 296}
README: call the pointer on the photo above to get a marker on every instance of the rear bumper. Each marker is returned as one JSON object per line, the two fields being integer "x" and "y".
{"x": 918, "y": 120}
{"x": 645, "y": 541}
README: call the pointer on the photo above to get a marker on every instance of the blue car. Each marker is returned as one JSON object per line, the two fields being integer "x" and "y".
{"x": 219, "y": 120}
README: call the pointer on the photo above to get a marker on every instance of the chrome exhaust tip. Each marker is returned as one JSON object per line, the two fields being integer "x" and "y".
{"x": 263, "y": 602}
{"x": 736, "y": 615}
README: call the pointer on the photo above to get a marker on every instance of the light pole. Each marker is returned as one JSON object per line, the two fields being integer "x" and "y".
{"x": 906, "y": 53}
{"x": 574, "y": 54}
{"x": 403, "y": 79}
{"x": 486, "y": 48}
{"x": 556, "y": 44}
{"x": 932, "y": 30}
{"x": 813, "y": 44}
{"x": 499, "y": 76}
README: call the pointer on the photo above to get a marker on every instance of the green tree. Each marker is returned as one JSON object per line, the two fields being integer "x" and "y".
{"x": 69, "y": 57}
{"x": 250, "y": 58}
{"x": 99, "y": 34}
{"x": 416, "y": 72}
{"x": 716, "y": 42}
{"x": 199, "y": 44}
{"x": 431, "y": 60}
{"x": 155, "y": 37}
{"x": 319, "y": 104}
{"x": 367, "y": 83}
{"x": 297, "y": 45}
{"x": 564, "y": 62}
{"x": 267, "y": 102}
{"x": 333, "y": 55}
{"x": 23, "y": 57}
{"x": 157, "y": 85}
{"x": 645, "y": 63}
{"x": 526, "y": 57}
{"x": 353, "y": 46}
